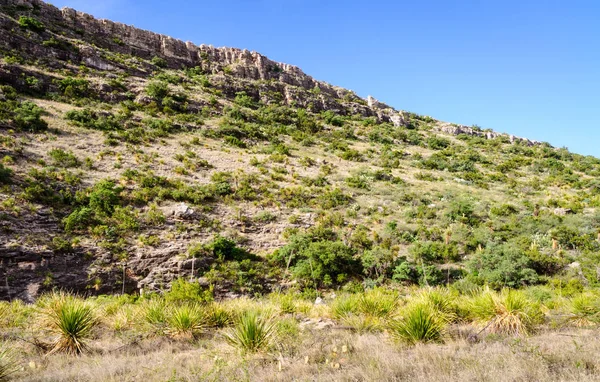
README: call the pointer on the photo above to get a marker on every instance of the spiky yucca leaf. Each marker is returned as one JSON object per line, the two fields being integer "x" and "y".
{"x": 251, "y": 333}
{"x": 420, "y": 323}
{"x": 73, "y": 320}
{"x": 441, "y": 300}
{"x": 8, "y": 363}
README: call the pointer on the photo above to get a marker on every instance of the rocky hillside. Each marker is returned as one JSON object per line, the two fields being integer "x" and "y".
{"x": 130, "y": 159}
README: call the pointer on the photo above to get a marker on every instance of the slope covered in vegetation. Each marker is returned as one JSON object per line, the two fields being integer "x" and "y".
{"x": 221, "y": 193}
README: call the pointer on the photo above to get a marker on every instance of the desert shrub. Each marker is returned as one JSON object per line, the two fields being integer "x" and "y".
{"x": 251, "y": 333}
{"x": 27, "y": 116}
{"x": 433, "y": 251}
{"x": 73, "y": 87}
{"x": 182, "y": 291}
{"x": 30, "y": 23}
{"x": 437, "y": 143}
{"x": 62, "y": 158}
{"x": 502, "y": 266}
{"x": 5, "y": 174}
{"x": 159, "y": 61}
{"x": 244, "y": 100}
{"x": 419, "y": 323}
{"x": 318, "y": 262}
{"x": 158, "y": 90}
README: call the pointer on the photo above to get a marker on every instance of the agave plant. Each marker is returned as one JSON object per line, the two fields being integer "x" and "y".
{"x": 8, "y": 364}
{"x": 420, "y": 323}
{"x": 251, "y": 333}
{"x": 185, "y": 321}
{"x": 73, "y": 320}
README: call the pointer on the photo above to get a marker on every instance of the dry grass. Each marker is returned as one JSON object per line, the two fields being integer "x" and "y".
{"x": 334, "y": 356}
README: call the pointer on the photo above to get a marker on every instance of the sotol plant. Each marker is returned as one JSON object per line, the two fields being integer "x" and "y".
{"x": 420, "y": 323}
{"x": 251, "y": 333}
{"x": 185, "y": 321}
{"x": 73, "y": 320}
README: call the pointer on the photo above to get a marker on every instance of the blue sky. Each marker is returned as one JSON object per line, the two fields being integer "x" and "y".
{"x": 530, "y": 68}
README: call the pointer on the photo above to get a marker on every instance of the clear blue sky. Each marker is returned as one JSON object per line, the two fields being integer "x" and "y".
{"x": 529, "y": 68}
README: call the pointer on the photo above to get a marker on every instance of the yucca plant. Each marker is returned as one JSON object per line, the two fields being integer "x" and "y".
{"x": 344, "y": 305}
{"x": 441, "y": 300}
{"x": 8, "y": 363}
{"x": 185, "y": 321}
{"x": 251, "y": 333}
{"x": 420, "y": 323}
{"x": 155, "y": 314}
{"x": 377, "y": 303}
{"x": 585, "y": 310}
{"x": 509, "y": 312}
{"x": 363, "y": 323}
{"x": 73, "y": 320}
{"x": 218, "y": 316}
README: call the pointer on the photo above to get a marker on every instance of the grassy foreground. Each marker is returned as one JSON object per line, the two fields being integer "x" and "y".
{"x": 380, "y": 334}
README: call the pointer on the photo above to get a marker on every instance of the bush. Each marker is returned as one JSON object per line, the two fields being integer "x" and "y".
{"x": 5, "y": 174}
{"x": 502, "y": 266}
{"x": 158, "y": 90}
{"x": 27, "y": 116}
{"x": 159, "y": 61}
{"x": 318, "y": 263}
{"x": 182, "y": 290}
{"x": 30, "y": 23}
{"x": 74, "y": 87}
{"x": 62, "y": 158}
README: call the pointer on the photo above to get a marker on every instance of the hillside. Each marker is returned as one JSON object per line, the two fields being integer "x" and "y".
{"x": 178, "y": 212}
{"x": 131, "y": 159}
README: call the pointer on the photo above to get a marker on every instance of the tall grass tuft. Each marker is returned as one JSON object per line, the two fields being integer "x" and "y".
{"x": 8, "y": 363}
{"x": 73, "y": 320}
{"x": 155, "y": 314}
{"x": 185, "y": 321}
{"x": 420, "y": 323}
{"x": 218, "y": 316}
{"x": 441, "y": 300}
{"x": 509, "y": 312}
{"x": 252, "y": 333}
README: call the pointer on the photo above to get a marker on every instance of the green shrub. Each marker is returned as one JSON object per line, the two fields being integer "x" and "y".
{"x": 502, "y": 266}
{"x": 159, "y": 61}
{"x": 318, "y": 263}
{"x": 5, "y": 174}
{"x": 30, "y": 23}
{"x": 158, "y": 90}
{"x": 74, "y": 87}
{"x": 62, "y": 158}
{"x": 27, "y": 116}
{"x": 182, "y": 291}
